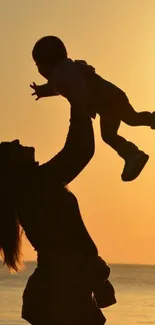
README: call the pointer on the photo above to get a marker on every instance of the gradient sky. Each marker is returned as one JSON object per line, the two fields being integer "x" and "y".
{"x": 118, "y": 38}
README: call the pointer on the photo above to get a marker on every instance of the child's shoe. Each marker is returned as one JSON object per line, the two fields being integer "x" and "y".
{"x": 134, "y": 164}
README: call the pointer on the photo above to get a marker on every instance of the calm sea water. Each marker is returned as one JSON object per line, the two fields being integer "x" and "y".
{"x": 134, "y": 285}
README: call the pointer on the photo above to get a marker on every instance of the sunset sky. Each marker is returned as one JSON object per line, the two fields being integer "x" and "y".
{"x": 118, "y": 38}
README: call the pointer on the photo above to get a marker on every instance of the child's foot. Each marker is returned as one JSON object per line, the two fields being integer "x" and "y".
{"x": 153, "y": 121}
{"x": 134, "y": 164}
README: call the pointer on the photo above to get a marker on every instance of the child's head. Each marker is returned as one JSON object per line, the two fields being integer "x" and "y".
{"x": 47, "y": 52}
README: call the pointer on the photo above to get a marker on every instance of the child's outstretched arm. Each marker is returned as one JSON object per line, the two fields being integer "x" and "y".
{"x": 43, "y": 91}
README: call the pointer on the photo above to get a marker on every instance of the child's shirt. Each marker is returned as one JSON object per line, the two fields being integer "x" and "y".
{"x": 82, "y": 87}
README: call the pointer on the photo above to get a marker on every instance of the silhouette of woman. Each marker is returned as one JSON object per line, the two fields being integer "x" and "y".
{"x": 35, "y": 198}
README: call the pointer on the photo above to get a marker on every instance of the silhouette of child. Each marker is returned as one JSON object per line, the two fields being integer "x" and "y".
{"x": 91, "y": 94}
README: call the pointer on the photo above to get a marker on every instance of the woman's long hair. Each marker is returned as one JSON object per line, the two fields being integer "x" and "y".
{"x": 10, "y": 233}
{"x": 10, "y": 230}
{"x": 13, "y": 179}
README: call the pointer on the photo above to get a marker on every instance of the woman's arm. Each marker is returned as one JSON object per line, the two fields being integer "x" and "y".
{"x": 77, "y": 151}
{"x": 68, "y": 81}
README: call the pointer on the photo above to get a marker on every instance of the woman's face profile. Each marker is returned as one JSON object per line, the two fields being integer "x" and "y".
{"x": 21, "y": 154}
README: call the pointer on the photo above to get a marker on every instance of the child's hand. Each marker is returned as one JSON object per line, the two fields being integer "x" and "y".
{"x": 37, "y": 90}
{"x": 42, "y": 90}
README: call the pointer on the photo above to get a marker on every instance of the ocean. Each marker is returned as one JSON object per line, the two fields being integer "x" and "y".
{"x": 135, "y": 293}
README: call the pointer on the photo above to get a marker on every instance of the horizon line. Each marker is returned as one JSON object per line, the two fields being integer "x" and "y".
{"x": 110, "y": 263}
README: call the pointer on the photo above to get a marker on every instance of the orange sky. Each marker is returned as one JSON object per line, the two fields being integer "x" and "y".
{"x": 117, "y": 37}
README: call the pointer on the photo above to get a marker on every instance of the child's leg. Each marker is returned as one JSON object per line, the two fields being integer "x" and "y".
{"x": 129, "y": 116}
{"x": 109, "y": 128}
{"x": 135, "y": 159}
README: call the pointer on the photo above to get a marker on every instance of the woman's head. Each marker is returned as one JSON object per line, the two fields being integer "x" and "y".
{"x": 13, "y": 154}
{"x": 15, "y": 163}
{"x": 47, "y": 52}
